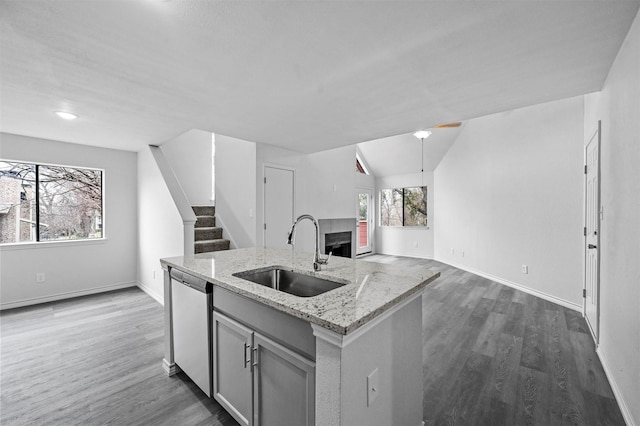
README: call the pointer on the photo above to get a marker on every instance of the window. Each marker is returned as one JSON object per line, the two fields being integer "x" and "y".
{"x": 360, "y": 166}
{"x": 403, "y": 206}
{"x": 49, "y": 203}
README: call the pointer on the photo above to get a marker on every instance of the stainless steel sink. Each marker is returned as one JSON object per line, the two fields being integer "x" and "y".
{"x": 289, "y": 281}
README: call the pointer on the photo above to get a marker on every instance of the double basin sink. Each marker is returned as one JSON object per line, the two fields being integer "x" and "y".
{"x": 288, "y": 281}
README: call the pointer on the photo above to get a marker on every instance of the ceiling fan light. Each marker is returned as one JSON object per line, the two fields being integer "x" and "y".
{"x": 422, "y": 134}
{"x": 66, "y": 115}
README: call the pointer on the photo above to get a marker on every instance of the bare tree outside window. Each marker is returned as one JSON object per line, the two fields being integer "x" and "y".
{"x": 49, "y": 203}
{"x": 403, "y": 206}
{"x": 391, "y": 207}
{"x": 415, "y": 206}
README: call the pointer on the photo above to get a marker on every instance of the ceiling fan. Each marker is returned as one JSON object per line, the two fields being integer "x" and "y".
{"x": 423, "y": 134}
{"x": 448, "y": 125}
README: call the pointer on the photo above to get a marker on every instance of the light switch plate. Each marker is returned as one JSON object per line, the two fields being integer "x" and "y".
{"x": 372, "y": 387}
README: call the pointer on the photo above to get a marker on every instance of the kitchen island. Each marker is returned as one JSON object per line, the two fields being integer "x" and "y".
{"x": 366, "y": 349}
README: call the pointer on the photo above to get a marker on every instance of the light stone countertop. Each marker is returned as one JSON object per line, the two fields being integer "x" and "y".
{"x": 338, "y": 310}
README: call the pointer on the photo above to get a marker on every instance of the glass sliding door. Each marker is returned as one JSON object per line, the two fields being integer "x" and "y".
{"x": 364, "y": 224}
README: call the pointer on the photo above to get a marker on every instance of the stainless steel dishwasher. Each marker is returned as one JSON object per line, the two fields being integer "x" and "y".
{"x": 191, "y": 317}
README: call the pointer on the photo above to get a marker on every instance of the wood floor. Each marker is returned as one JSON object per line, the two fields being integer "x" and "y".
{"x": 493, "y": 356}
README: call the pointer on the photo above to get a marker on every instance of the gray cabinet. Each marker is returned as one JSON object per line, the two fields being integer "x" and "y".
{"x": 259, "y": 381}
{"x": 232, "y": 369}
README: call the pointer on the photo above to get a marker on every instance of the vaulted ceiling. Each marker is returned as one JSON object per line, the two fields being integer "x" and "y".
{"x": 304, "y": 75}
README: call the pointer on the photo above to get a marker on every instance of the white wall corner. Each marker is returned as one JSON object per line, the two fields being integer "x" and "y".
{"x": 622, "y": 403}
{"x": 151, "y": 292}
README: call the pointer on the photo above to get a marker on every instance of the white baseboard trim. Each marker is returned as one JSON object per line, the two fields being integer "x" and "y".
{"x": 66, "y": 295}
{"x": 155, "y": 296}
{"x": 533, "y": 292}
{"x": 411, "y": 255}
{"x": 624, "y": 407}
{"x": 170, "y": 369}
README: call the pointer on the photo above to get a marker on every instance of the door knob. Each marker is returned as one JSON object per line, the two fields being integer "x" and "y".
{"x": 592, "y": 246}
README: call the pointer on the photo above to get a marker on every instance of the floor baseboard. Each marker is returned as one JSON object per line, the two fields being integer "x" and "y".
{"x": 624, "y": 408}
{"x": 529, "y": 290}
{"x": 155, "y": 296}
{"x": 67, "y": 295}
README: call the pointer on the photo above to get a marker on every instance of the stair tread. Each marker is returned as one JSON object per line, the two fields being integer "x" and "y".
{"x": 211, "y": 241}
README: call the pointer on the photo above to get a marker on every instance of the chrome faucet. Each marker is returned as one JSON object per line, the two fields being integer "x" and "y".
{"x": 317, "y": 260}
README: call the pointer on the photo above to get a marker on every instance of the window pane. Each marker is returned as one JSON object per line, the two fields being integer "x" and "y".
{"x": 391, "y": 207}
{"x": 415, "y": 206}
{"x": 70, "y": 203}
{"x": 17, "y": 202}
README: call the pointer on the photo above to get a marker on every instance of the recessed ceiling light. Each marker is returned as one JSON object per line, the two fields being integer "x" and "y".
{"x": 66, "y": 115}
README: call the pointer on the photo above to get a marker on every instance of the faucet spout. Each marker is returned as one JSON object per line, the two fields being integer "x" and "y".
{"x": 317, "y": 259}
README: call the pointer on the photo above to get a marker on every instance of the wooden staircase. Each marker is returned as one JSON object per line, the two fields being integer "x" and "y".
{"x": 208, "y": 237}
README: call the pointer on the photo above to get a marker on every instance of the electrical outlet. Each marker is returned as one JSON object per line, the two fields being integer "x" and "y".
{"x": 452, "y": 250}
{"x": 40, "y": 277}
{"x": 372, "y": 387}
{"x": 525, "y": 269}
{"x": 415, "y": 244}
{"x": 462, "y": 253}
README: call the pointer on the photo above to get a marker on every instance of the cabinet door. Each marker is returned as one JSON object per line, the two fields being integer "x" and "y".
{"x": 232, "y": 367}
{"x": 284, "y": 385}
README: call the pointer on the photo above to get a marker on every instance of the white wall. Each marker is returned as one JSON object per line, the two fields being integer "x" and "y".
{"x": 236, "y": 190}
{"x": 190, "y": 158}
{"x": 510, "y": 192}
{"x": 331, "y": 182}
{"x": 160, "y": 227}
{"x": 325, "y": 186}
{"x": 271, "y": 155}
{"x": 82, "y": 267}
{"x": 618, "y": 106}
{"x": 406, "y": 241}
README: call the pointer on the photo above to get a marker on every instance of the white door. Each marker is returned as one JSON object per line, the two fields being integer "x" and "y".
{"x": 592, "y": 233}
{"x": 278, "y": 205}
{"x": 364, "y": 225}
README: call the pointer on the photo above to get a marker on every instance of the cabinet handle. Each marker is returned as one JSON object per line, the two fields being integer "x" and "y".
{"x": 246, "y": 361}
{"x": 255, "y": 357}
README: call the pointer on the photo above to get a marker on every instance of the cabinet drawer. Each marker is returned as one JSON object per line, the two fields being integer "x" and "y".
{"x": 292, "y": 332}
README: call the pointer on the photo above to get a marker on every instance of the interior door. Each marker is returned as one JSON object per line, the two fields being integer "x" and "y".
{"x": 592, "y": 233}
{"x": 278, "y": 205}
{"x": 365, "y": 216}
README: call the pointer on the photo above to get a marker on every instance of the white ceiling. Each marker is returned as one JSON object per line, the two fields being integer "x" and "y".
{"x": 305, "y": 75}
{"x": 399, "y": 155}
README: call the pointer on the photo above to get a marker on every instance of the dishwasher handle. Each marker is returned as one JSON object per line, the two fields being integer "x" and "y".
{"x": 189, "y": 280}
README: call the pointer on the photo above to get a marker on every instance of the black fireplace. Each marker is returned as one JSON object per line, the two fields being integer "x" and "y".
{"x": 338, "y": 243}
